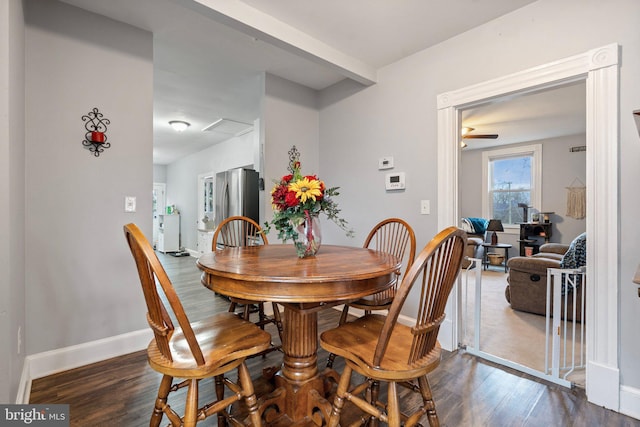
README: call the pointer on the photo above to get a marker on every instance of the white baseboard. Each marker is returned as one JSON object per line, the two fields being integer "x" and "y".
{"x": 405, "y": 320}
{"x": 193, "y": 253}
{"x": 24, "y": 388}
{"x": 446, "y": 337}
{"x": 603, "y": 385}
{"x": 50, "y": 362}
{"x": 359, "y": 313}
{"x": 630, "y": 401}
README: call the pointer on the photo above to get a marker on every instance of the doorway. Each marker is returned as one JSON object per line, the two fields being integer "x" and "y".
{"x": 522, "y": 145}
{"x": 599, "y": 70}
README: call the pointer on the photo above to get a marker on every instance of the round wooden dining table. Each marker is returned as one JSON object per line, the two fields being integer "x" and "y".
{"x": 335, "y": 275}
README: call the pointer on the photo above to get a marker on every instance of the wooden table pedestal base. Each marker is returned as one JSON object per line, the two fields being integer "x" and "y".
{"x": 300, "y": 390}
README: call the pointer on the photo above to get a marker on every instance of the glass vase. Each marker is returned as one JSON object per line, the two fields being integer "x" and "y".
{"x": 309, "y": 236}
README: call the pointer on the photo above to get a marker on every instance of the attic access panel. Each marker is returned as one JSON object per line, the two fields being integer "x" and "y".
{"x": 228, "y": 126}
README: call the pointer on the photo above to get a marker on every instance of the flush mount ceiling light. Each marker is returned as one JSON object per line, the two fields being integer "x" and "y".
{"x": 179, "y": 125}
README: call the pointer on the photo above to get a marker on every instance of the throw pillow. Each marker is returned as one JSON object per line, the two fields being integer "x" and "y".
{"x": 466, "y": 225}
{"x": 479, "y": 225}
{"x": 576, "y": 256}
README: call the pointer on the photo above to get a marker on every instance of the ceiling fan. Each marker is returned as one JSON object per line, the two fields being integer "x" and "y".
{"x": 466, "y": 134}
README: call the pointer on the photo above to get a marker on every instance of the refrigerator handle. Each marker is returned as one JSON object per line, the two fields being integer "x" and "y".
{"x": 225, "y": 201}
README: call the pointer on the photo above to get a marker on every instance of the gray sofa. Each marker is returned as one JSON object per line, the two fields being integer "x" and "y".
{"x": 476, "y": 234}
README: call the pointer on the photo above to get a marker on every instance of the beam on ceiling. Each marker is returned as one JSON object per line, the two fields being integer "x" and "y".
{"x": 250, "y": 21}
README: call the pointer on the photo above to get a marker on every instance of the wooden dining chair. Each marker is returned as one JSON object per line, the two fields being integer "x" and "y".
{"x": 190, "y": 352}
{"x": 394, "y": 236}
{"x": 383, "y": 350}
{"x": 238, "y": 231}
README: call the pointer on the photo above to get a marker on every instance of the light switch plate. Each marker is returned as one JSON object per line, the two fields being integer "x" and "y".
{"x": 130, "y": 204}
{"x": 425, "y": 207}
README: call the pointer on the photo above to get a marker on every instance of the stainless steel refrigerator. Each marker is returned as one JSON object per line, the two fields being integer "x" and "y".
{"x": 237, "y": 194}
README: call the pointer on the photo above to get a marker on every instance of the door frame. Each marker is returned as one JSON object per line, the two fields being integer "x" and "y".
{"x": 200, "y": 188}
{"x": 598, "y": 68}
{"x": 161, "y": 186}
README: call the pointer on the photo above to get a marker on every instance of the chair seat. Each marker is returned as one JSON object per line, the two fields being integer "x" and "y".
{"x": 240, "y": 231}
{"x": 223, "y": 338}
{"x": 356, "y": 342}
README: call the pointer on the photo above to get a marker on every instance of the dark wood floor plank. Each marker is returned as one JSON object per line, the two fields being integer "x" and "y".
{"x": 467, "y": 391}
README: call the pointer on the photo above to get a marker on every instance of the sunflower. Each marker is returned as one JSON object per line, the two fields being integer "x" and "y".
{"x": 306, "y": 188}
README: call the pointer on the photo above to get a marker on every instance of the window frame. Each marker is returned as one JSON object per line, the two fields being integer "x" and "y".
{"x": 533, "y": 150}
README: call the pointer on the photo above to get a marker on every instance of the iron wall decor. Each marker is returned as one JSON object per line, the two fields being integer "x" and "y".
{"x": 294, "y": 156}
{"x": 95, "y": 138}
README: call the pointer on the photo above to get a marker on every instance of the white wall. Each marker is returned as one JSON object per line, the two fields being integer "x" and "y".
{"x": 81, "y": 279}
{"x": 12, "y": 184}
{"x": 182, "y": 179}
{"x": 160, "y": 173}
{"x": 290, "y": 117}
{"x": 397, "y": 117}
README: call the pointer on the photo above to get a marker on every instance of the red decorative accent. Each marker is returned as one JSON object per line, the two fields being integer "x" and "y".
{"x": 97, "y": 137}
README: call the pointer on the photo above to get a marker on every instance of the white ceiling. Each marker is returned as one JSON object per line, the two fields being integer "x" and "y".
{"x": 534, "y": 116}
{"x": 209, "y": 55}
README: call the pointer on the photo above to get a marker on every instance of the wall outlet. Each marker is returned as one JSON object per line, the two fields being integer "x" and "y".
{"x": 130, "y": 204}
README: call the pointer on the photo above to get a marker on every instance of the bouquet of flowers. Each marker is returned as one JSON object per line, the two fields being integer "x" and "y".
{"x": 297, "y": 199}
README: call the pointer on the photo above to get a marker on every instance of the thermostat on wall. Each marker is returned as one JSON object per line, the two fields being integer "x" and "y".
{"x": 394, "y": 181}
{"x": 385, "y": 163}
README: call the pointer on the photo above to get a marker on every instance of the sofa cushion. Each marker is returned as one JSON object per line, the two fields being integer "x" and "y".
{"x": 556, "y": 248}
{"x": 471, "y": 240}
{"x": 474, "y": 249}
{"x": 549, "y": 255}
{"x": 532, "y": 265}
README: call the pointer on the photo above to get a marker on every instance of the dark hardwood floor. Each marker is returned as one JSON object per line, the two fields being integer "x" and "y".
{"x": 467, "y": 391}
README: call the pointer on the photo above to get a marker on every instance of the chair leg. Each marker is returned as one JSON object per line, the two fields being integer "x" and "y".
{"x": 338, "y": 402}
{"x": 161, "y": 400}
{"x": 191, "y": 407}
{"x": 249, "y": 395}
{"x": 330, "y": 360}
{"x": 429, "y": 404}
{"x": 232, "y": 307}
{"x": 262, "y": 318}
{"x": 246, "y": 313}
{"x": 393, "y": 405}
{"x": 278, "y": 320}
{"x": 343, "y": 319}
{"x": 222, "y": 421}
{"x": 374, "y": 391}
